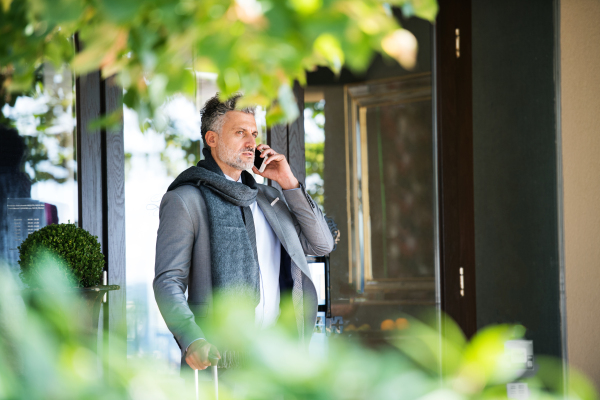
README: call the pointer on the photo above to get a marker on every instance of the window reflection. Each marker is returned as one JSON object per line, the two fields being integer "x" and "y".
{"x": 152, "y": 160}
{"x": 376, "y": 180}
{"x": 38, "y": 182}
{"x": 314, "y": 128}
{"x": 391, "y": 174}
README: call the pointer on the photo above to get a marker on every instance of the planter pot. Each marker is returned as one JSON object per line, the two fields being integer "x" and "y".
{"x": 87, "y": 309}
{"x": 92, "y": 300}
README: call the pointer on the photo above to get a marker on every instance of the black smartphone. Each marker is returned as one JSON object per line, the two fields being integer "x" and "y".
{"x": 258, "y": 162}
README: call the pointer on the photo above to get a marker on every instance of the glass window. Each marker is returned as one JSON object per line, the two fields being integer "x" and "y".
{"x": 38, "y": 170}
{"x": 152, "y": 161}
{"x": 314, "y": 141}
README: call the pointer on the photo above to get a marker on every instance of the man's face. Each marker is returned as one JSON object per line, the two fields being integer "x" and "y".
{"x": 237, "y": 141}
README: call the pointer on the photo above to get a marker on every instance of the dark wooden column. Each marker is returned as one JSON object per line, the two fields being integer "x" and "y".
{"x": 101, "y": 181}
{"x": 296, "y": 148}
{"x": 277, "y": 139}
{"x": 453, "y": 91}
{"x": 289, "y": 140}
{"x": 89, "y": 154}
{"x": 114, "y": 217}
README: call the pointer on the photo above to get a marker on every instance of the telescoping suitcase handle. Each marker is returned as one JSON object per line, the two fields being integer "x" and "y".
{"x": 214, "y": 366}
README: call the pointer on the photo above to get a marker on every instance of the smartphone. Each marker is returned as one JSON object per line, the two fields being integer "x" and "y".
{"x": 259, "y": 163}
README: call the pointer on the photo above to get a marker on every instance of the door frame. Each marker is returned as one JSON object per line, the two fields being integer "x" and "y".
{"x": 453, "y": 123}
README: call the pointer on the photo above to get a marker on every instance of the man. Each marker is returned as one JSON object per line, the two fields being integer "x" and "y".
{"x": 222, "y": 232}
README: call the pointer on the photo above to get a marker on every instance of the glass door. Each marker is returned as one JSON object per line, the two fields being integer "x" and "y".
{"x": 371, "y": 163}
{"x": 389, "y": 152}
{"x": 373, "y": 172}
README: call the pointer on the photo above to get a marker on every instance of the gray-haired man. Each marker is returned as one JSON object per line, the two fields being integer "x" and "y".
{"x": 222, "y": 232}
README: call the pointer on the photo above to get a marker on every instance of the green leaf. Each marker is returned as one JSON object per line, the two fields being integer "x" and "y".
{"x": 255, "y": 46}
{"x": 328, "y": 46}
{"x": 426, "y": 9}
{"x": 6, "y": 5}
{"x": 306, "y": 7}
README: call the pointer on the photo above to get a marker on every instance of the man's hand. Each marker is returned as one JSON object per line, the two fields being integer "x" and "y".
{"x": 277, "y": 168}
{"x": 197, "y": 355}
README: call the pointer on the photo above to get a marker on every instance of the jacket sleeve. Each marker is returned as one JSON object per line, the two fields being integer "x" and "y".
{"x": 314, "y": 234}
{"x": 174, "y": 244}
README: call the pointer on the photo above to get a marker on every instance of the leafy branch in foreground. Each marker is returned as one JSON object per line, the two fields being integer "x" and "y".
{"x": 45, "y": 353}
{"x": 153, "y": 46}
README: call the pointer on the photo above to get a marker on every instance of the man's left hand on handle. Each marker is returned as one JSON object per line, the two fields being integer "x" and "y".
{"x": 277, "y": 168}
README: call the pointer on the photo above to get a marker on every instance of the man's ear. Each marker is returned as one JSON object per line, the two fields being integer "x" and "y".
{"x": 211, "y": 138}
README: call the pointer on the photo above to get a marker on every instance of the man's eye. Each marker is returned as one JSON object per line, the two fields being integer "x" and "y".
{"x": 241, "y": 132}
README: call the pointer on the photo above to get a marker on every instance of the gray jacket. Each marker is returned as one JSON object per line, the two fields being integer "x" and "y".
{"x": 183, "y": 257}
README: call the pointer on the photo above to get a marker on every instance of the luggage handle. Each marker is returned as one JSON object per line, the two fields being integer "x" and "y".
{"x": 215, "y": 373}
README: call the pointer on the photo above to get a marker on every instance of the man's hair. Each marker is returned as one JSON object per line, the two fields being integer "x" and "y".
{"x": 213, "y": 113}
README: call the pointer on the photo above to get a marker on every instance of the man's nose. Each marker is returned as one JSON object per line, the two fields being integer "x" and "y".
{"x": 250, "y": 141}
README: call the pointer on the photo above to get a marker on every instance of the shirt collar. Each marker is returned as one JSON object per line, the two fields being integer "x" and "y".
{"x": 231, "y": 179}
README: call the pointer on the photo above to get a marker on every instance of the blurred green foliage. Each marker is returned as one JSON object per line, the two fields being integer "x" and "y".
{"x": 257, "y": 46}
{"x": 45, "y": 353}
{"x": 73, "y": 250}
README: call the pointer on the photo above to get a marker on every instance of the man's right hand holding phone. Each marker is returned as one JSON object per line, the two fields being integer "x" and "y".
{"x": 259, "y": 161}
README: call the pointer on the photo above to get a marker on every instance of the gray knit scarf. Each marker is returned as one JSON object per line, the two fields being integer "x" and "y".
{"x": 235, "y": 270}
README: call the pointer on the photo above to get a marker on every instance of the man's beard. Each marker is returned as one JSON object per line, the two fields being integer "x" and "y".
{"x": 233, "y": 158}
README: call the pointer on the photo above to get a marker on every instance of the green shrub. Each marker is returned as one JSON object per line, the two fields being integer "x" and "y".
{"x": 75, "y": 251}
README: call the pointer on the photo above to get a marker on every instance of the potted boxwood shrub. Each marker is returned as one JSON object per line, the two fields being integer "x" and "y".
{"x": 74, "y": 254}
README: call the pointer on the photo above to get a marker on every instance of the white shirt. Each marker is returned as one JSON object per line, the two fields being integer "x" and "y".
{"x": 268, "y": 248}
